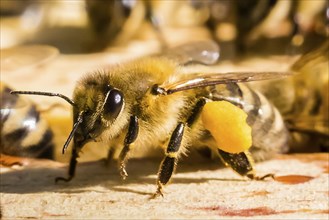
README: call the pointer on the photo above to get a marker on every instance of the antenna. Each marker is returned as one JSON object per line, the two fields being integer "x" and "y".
{"x": 44, "y": 94}
{"x": 75, "y": 127}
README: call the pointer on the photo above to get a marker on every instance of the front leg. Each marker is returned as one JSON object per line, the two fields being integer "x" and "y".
{"x": 72, "y": 167}
{"x": 129, "y": 139}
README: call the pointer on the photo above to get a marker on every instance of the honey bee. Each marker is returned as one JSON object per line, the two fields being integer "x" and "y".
{"x": 240, "y": 26}
{"x": 24, "y": 132}
{"x": 116, "y": 22}
{"x": 303, "y": 100}
{"x": 151, "y": 102}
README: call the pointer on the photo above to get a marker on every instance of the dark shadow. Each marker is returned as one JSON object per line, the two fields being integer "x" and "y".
{"x": 41, "y": 179}
{"x": 124, "y": 189}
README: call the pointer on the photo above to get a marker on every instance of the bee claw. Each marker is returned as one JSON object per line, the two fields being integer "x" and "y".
{"x": 253, "y": 177}
{"x": 123, "y": 172}
{"x": 157, "y": 193}
{"x": 124, "y": 176}
{"x": 269, "y": 175}
{"x": 58, "y": 179}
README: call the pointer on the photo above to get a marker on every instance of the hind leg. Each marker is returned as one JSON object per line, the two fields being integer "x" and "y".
{"x": 242, "y": 163}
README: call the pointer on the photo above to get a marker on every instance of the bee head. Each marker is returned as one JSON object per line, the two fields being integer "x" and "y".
{"x": 112, "y": 105}
{"x": 96, "y": 110}
{"x": 96, "y": 106}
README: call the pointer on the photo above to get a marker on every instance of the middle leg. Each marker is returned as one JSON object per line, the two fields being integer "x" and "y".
{"x": 169, "y": 162}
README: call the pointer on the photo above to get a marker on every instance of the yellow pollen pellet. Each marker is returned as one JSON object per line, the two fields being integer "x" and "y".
{"x": 227, "y": 124}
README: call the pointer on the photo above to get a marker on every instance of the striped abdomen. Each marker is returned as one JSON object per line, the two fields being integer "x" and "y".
{"x": 23, "y": 132}
{"x": 269, "y": 133}
{"x": 303, "y": 101}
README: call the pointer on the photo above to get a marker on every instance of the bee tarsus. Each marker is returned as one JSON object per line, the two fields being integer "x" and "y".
{"x": 129, "y": 139}
{"x": 253, "y": 177}
{"x": 242, "y": 163}
{"x": 72, "y": 167}
{"x": 159, "y": 191}
{"x": 59, "y": 179}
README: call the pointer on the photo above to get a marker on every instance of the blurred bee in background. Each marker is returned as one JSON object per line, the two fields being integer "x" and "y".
{"x": 115, "y": 22}
{"x": 151, "y": 102}
{"x": 246, "y": 26}
{"x": 236, "y": 25}
{"x": 280, "y": 26}
{"x": 303, "y": 101}
{"x": 24, "y": 132}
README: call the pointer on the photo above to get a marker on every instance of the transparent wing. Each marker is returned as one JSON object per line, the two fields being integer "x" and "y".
{"x": 20, "y": 57}
{"x": 201, "y": 80}
{"x": 205, "y": 52}
{"x": 309, "y": 60}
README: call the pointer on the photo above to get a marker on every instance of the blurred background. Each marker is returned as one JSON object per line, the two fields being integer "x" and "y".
{"x": 84, "y": 26}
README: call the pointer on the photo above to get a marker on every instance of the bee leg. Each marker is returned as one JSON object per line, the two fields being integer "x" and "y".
{"x": 169, "y": 163}
{"x": 129, "y": 139}
{"x": 110, "y": 156}
{"x": 253, "y": 177}
{"x": 72, "y": 167}
{"x": 196, "y": 112}
{"x": 242, "y": 163}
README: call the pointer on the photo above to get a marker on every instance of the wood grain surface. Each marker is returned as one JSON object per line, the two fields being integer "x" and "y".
{"x": 201, "y": 189}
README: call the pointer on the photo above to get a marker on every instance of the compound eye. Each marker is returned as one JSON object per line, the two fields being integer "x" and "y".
{"x": 113, "y": 104}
